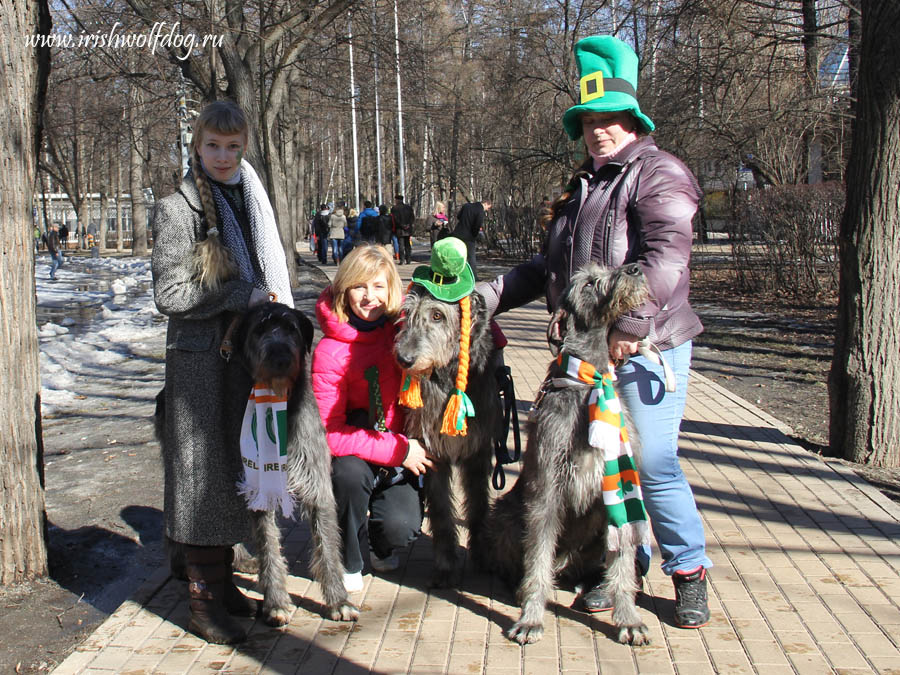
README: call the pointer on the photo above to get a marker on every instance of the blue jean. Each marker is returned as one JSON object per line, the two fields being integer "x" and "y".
{"x": 336, "y": 246}
{"x": 656, "y": 415}
{"x": 56, "y": 262}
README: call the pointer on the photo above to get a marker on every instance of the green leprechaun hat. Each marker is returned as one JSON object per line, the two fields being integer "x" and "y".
{"x": 448, "y": 277}
{"x": 608, "y": 69}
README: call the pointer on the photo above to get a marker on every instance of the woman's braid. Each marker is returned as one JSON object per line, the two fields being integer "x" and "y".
{"x": 213, "y": 262}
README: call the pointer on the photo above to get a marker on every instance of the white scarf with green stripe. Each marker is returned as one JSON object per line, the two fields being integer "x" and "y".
{"x": 264, "y": 453}
{"x": 622, "y": 495}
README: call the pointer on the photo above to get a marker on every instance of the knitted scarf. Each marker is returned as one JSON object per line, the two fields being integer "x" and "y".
{"x": 273, "y": 274}
{"x": 264, "y": 453}
{"x": 606, "y": 431}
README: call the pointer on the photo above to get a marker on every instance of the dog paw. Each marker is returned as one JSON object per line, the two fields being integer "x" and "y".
{"x": 439, "y": 580}
{"x": 277, "y": 616}
{"x": 525, "y": 633}
{"x": 345, "y": 611}
{"x": 446, "y": 579}
{"x": 634, "y": 635}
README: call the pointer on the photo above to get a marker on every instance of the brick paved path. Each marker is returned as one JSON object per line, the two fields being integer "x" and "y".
{"x": 805, "y": 579}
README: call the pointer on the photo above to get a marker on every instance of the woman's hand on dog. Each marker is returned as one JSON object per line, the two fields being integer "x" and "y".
{"x": 417, "y": 459}
{"x": 622, "y": 344}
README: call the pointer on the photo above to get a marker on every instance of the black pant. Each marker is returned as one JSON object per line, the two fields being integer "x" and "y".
{"x": 405, "y": 248}
{"x": 394, "y": 511}
{"x": 470, "y": 257}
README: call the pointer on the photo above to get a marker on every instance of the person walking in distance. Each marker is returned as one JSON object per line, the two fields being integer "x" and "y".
{"x": 469, "y": 222}
{"x": 54, "y": 247}
{"x": 437, "y": 222}
{"x": 404, "y": 218}
{"x": 337, "y": 224}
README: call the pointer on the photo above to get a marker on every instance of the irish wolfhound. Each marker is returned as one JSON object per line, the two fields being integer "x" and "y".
{"x": 272, "y": 341}
{"x": 554, "y": 518}
{"x": 428, "y": 345}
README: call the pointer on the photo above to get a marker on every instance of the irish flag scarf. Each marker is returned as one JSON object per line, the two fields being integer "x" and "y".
{"x": 264, "y": 453}
{"x": 606, "y": 431}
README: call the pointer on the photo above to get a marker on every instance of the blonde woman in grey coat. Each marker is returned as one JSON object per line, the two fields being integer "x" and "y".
{"x": 336, "y": 224}
{"x": 216, "y": 252}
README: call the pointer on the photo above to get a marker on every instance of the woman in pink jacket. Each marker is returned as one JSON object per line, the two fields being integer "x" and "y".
{"x": 375, "y": 468}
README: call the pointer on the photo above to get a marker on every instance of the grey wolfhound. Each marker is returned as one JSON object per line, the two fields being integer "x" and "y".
{"x": 427, "y": 345}
{"x": 553, "y": 521}
{"x": 272, "y": 342}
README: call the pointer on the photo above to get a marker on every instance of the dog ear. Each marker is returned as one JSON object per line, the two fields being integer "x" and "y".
{"x": 306, "y": 329}
{"x": 478, "y": 310}
{"x": 239, "y": 333}
{"x": 556, "y": 333}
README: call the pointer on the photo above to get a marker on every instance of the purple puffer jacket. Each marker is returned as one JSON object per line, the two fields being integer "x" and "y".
{"x": 637, "y": 208}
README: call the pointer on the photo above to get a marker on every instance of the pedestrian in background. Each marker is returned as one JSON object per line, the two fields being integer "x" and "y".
{"x": 469, "y": 222}
{"x": 368, "y": 222}
{"x": 337, "y": 223}
{"x": 436, "y": 222}
{"x": 404, "y": 219}
{"x": 352, "y": 237}
{"x": 385, "y": 227}
{"x": 53, "y": 246}
{"x": 321, "y": 228}
{"x": 64, "y": 236}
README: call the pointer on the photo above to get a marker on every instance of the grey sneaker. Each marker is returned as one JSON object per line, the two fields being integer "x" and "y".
{"x": 595, "y": 600}
{"x": 691, "y": 608}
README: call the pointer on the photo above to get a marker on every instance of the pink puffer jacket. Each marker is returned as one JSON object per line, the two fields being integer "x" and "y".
{"x": 339, "y": 365}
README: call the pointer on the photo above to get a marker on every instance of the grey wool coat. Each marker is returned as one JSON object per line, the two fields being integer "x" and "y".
{"x": 205, "y": 396}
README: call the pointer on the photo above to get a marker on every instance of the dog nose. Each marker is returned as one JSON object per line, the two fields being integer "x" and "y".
{"x": 633, "y": 269}
{"x": 280, "y": 359}
{"x": 403, "y": 361}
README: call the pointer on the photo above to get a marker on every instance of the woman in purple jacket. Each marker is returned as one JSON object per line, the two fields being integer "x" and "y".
{"x": 631, "y": 203}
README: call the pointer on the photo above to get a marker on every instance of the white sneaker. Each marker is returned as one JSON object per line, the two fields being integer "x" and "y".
{"x": 388, "y": 564}
{"x": 353, "y": 581}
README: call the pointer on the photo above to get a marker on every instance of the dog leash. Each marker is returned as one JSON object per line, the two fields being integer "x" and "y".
{"x": 507, "y": 393}
{"x": 652, "y": 353}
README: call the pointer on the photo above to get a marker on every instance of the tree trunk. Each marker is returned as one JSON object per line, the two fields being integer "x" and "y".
{"x": 136, "y": 177}
{"x": 23, "y": 72}
{"x": 812, "y": 147}
{"x": 865, "y": 371}
{"x": 854, "y": 29}
{"x": 117, "y": 181}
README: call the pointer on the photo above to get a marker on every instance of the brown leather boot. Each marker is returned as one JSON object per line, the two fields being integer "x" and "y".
{"x": 236, "y": 603}
{"x": 206, "y": 571}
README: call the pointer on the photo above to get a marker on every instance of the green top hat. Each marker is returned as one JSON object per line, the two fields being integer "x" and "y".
{"x": 608, "y": 70}
{"x": 449, "y": 276}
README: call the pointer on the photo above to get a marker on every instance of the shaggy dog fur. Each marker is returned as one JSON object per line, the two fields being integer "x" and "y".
{"x": 553, "y": 520}
{"x": 272, "y": 340}
{"x": 428, "y": 345}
